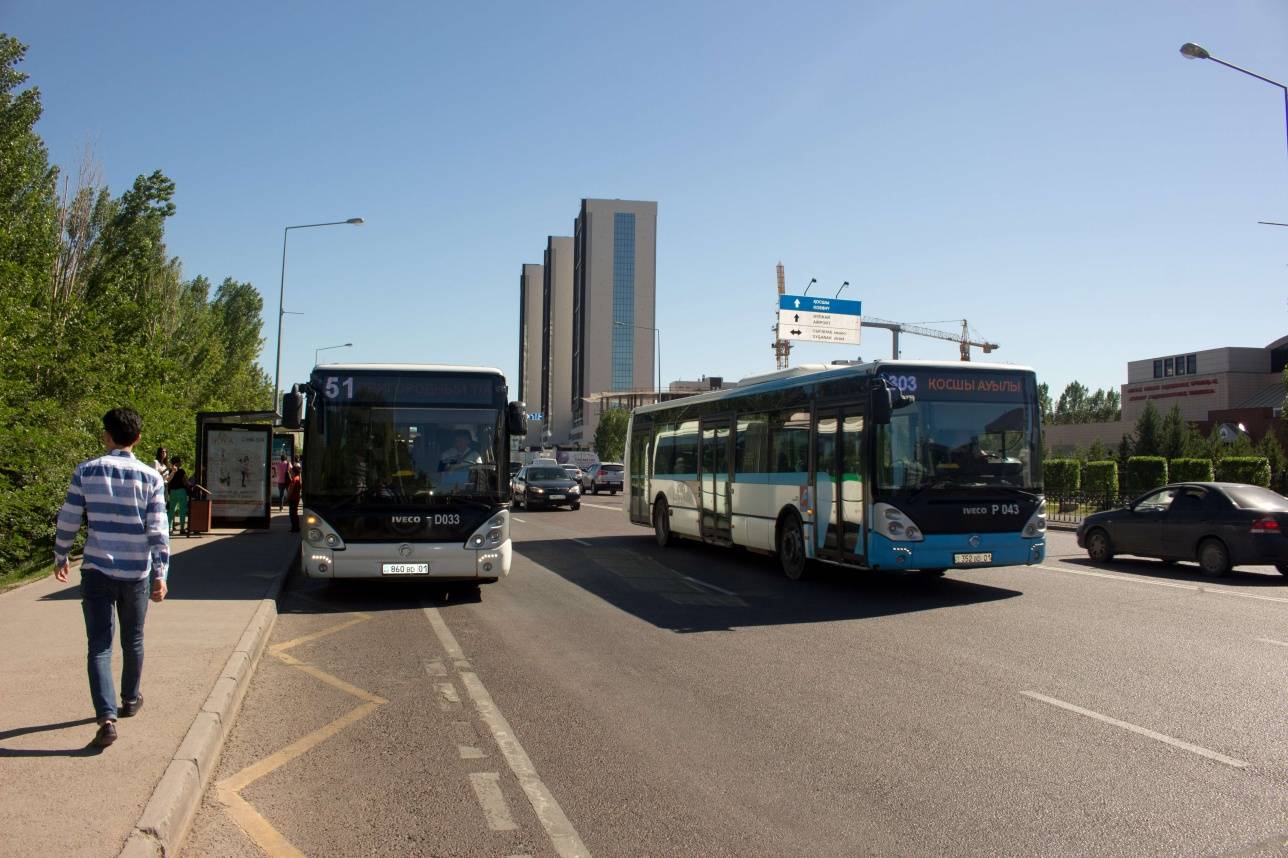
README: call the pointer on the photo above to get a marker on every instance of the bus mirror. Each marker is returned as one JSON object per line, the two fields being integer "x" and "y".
{"x": 516, "y": 419}
{"x": 293, "y": 409}
{"x": 886, "y": 400}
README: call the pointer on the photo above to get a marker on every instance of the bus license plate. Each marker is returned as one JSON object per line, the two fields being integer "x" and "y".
{"x": 984, "y": 557}
{"x": 405, "y": 568}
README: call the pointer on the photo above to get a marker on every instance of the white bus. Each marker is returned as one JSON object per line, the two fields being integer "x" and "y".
{"x": 886, "y": 465}
{"x": 405, "y": 471}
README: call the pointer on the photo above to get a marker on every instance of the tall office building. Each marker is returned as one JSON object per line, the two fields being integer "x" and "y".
{"x": 613, "y": 305}
{"x": 531, "y": 339}
{"x": 556, "y": 353}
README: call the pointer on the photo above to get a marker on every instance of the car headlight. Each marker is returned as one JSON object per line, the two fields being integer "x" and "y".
{"x": 537, "y": 490}
{"x": 1036, "y": 525}
{"x": 574, "y": 489}
{"x": 894, "y": 524}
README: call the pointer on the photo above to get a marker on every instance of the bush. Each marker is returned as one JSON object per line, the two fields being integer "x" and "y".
{"x": 1145, "y": 473}
{"x": 1254, "y": 470}
{"x": 1101, "y": 478}
{"x": 1062, "y": 476}
{"x": 1191, "y": 470}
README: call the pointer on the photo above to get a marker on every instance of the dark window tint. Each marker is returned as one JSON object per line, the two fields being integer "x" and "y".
{"x": 1169, "y": 368}
{"x": 1158, "y": 368}
{"x": 1191, "y": 364}
{"x": 1255, "y": 497}
{"x": 789, "y": 442}
{"x": 610, "y": 469}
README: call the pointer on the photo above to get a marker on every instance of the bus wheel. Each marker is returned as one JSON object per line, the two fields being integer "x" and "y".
{"x": 791, "y": 547}
{"x": 662, "y": 523}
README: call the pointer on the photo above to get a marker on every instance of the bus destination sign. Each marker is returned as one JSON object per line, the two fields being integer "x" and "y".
{"x": 940, "y": 384}
{"x": 406, "y": 390}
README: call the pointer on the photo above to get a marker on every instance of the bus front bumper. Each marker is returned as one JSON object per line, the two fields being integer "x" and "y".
{"x": 954, "y": 550}
{"x": 448, "y": 561}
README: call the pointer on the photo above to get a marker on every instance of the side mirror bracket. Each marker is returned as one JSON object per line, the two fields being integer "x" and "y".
{"x": 516, "y": 419}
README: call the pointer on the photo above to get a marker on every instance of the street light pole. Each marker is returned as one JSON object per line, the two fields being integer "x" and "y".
{"x": 281, "y": 295}
{"x": 1191, "y": 51}
{"x": 328, "y": 348}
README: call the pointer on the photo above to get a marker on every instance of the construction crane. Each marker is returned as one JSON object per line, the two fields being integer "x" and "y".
{"x": 964, "y": 341}
{"x": 782, "y": 347}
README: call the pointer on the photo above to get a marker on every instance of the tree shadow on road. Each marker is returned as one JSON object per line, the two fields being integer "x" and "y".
{"x": 693, "y": 587}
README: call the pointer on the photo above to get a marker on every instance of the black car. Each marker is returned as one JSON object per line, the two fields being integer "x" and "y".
{"x": 1221, "y": 525}
{"x": 545, "y": 485}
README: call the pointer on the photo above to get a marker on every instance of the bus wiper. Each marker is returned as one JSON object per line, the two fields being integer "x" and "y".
{"x": 1015, "y": 490}
{"x": 941, "y": 483}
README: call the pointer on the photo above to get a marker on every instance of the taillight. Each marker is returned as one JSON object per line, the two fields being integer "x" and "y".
{"x": 1265, "y": 525}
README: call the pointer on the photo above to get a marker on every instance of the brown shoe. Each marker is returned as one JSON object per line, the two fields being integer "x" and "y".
{"x": 129, "y": 707}
{"x": 105, "y": 736}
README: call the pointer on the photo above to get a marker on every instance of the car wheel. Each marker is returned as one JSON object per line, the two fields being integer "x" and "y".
{"x": 791, "y": 547}
{"x": 662, "y": 523}
{"x": 594, "y": 489}
{"x": 1099, "y": 548}
{"x": 575, "y": 506}
{"x": 1214, "y": 558}
{"x": 1282, "y": 567}
{"x": 612, "y": 492}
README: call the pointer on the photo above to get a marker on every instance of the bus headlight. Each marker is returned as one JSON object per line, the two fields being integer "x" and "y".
{"x": 892, "y": 523}
{"x": 315, "y": 535}
{"x": 320, "y": 534}
{"x": 1036, "y": 525}
{"x": 491, "y": 534}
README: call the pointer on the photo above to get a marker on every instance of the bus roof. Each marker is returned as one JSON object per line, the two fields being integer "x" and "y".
{"x": 810, "y": 373}
{"x": 408, "y": 367}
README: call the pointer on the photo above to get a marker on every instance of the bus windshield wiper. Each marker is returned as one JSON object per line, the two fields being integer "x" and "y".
{"x": 1016, "y": 490}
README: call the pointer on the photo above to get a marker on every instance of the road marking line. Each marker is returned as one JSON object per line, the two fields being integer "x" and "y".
{"x": 487, "y": 789}
{"x": 1273, "y": 641}
{"x": 601, "y": 506}
{"x": 448, "y": 699}
{"x": 444, "y": 634}
{"x": 333, "y": 681}
{"x": 709, "y": 586}
{"x": 469, "y": 752}
{"x": 435, "y": 667}
{"x": 330, "y": 630}
{"x": 256, "y": 827}
{"x": 1173, "y": 584}
{"x": 582, "y": 542}
{"x": 560, "y": 830}
{"x": 520, "y": 520}
{"x": 1143, "y": 731}
{"x": 276, "y": 760}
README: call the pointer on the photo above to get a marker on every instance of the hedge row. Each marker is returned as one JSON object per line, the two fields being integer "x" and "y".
{"x": 1062, "y": 476}
{"x": 1101, "y": 478}
{"x": 1144, "y": 473}
{"x": 1244, "y": 469}
{"x": 1191, "y": 470}
{"x": 1068, "y": 476}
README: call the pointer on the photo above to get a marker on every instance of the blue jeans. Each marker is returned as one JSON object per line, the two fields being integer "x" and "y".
{"x": 99, "y": 595}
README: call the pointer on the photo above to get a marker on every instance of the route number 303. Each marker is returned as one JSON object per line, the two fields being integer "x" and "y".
{"x": 335, "y": 385}
{"x": 905, "y": 383}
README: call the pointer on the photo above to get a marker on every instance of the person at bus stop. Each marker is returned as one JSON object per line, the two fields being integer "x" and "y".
{"x": 293, "y": 498}
{"x": 282, "y": 470}
{"x": 126, "y": 559}
{"x": 178, "y": 495}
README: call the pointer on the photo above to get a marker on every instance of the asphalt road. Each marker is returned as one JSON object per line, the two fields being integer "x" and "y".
{"x": 615, "y": 698}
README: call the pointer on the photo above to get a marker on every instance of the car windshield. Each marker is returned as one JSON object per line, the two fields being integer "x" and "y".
{"x": 1255, "y": 497}
{"x": 546, "y": 474}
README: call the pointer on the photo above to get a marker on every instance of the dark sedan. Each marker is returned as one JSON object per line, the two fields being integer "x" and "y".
{"x": 545, "y": 485}
{"x": 1221, "y": 525}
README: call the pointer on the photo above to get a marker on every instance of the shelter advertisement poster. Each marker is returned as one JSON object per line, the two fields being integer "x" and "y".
{"x": 237, "y": 472}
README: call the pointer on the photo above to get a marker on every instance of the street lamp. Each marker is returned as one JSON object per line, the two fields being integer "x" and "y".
{"x": 1197, "y": 52}
{"x": 281, "y": 294}
{"x": 328, "y": 348}
{"x": 659, "y": 352}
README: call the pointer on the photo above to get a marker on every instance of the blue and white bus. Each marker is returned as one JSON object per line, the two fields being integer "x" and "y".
{"x": 405, "y": 471}
{"x": 911, "y": 465}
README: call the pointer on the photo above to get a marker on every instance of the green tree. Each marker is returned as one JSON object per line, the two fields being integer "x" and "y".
{"x": 1148, "y": 432}
{"x": 610, "y": 434}
{"x": 1077, "y": 404}
{"x": 1177, "y": 438}
{"x": 1273, "y": 452}
{"x": 1044, "y": 403}
{"x": 1097, "y": 451}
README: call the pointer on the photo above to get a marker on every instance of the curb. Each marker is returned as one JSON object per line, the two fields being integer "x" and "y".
{"x": 162, "y": 827}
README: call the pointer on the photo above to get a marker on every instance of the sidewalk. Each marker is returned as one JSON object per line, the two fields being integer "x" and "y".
{"x": 60, "y": 797}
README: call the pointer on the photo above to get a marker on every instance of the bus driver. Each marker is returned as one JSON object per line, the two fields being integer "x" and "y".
{"x": 462, "y": 454}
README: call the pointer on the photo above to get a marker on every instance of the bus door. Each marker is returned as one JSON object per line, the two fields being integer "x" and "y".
{"x": 715, "y": 460}
{"x": 838, "y": 482}
{"x": 639, "y": 460}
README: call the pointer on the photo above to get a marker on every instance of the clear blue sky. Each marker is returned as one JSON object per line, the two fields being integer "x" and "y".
{"x": 1055, "y": 173}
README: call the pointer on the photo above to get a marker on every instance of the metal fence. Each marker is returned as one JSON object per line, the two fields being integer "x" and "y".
{"x": 1070, "y": 509}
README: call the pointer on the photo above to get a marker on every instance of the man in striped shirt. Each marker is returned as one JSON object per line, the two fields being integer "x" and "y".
{"x": 127, "y": 556}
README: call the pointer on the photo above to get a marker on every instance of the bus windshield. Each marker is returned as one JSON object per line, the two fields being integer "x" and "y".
{"x": 373, "y": 454}
{"x": 958, "y": 444}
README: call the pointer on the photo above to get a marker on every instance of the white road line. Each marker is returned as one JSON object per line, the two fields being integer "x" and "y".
{"x": 520, "y": 520}
{"x": 487, "y": 788}
{"x": 601, "y": 506}
{"x": 1143, "y": 731}
{"x": 469, "y": 752}
{"x": 709, "y": 586}
{"x": 1173, "y": 584}
{"x": 448, "y": 699}
{"x": 581, "y": 541}
{"x": 562, "y": 835}
{"x": 558, "y": 828}
{"x": 1273, "y": 641}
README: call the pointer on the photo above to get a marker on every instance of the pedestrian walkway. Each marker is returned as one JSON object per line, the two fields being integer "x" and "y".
{"x": 58, "y": 796}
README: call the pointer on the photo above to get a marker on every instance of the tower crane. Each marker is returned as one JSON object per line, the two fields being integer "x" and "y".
{"x": 963, "y": 341}
{"x": 782, "y": 347}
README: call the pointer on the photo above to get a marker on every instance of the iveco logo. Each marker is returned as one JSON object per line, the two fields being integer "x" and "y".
{"x": 974, "y": 541}
{"x": 405, "y": 519}
{"x": 404, "y": 550}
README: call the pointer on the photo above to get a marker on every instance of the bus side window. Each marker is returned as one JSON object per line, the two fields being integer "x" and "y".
{"x": 664, "y": 449}
{"x": 686, "y": 448}
{"x": 749, "y": 444}
{"x": 789, "y": 442}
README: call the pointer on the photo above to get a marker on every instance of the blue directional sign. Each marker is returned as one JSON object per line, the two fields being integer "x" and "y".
{"x": 817, "y": 304}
